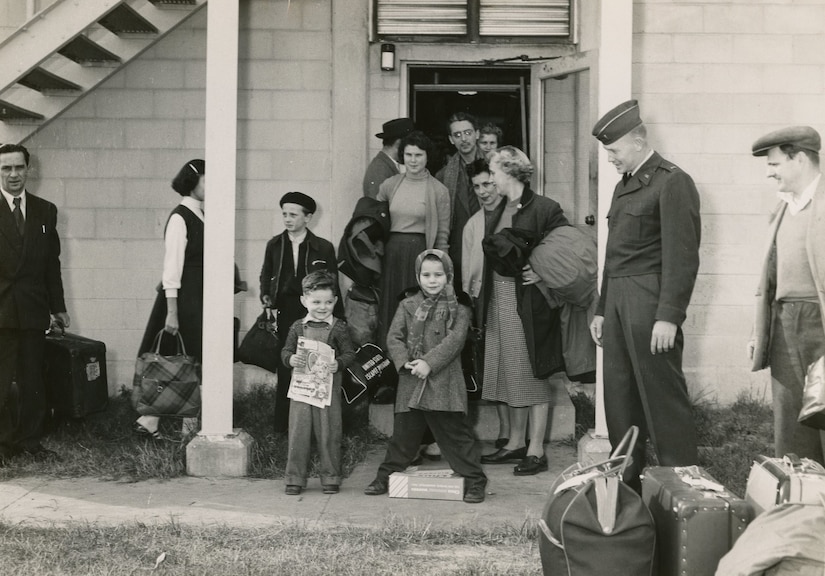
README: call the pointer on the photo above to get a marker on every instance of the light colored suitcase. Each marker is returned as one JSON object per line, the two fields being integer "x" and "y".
{"x": 792, "y": 479}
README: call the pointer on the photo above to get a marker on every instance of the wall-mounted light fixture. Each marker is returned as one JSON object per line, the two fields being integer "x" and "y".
{"x": 388, "y": 57}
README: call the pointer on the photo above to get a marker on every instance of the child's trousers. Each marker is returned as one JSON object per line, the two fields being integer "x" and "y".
{"x": 325, "y": 423}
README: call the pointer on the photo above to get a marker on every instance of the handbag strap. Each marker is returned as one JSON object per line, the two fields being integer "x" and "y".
{"x": 156, "y": 342}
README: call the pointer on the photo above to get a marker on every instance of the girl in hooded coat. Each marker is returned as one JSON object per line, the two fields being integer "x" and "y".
{"x": 424, "y": 342}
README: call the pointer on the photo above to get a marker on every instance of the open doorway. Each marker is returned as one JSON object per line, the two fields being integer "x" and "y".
{"x": 494, "y": 94}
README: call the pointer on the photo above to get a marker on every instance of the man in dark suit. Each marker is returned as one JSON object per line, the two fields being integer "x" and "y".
{"x": 31, "y": 290}
{"x": 650, "y": 267}
{"x": 385, "y": 164}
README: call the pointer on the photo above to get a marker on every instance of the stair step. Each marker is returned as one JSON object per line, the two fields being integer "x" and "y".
{"x": 173, "y": 3}
{"x": 44, "y": 81}
{"x": 10, "y": 112}
{"x": 86, "y": 52}
{"x": 126, "y": 20}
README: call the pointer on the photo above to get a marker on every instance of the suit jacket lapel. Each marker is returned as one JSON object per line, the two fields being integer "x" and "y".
{"x": 8, "y": 228}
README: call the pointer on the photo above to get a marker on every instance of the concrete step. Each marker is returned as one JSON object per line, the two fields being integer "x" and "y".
{"x": 561, "y": 423}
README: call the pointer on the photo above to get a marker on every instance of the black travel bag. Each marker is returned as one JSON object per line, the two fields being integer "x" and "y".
{"x": 76, "y": 382}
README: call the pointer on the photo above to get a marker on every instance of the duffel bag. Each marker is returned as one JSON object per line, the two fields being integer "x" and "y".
{"x": 596, "y": 525}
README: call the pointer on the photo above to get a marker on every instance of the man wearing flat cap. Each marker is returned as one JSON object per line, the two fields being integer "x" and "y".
{"x": 650, "y": 267}
{"x": 289, "y": 257}
{"x": 385, "y": 164}
{"x": 789, "y": 333}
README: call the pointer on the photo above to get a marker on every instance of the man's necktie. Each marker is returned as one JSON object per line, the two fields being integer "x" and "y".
{"x": 18, "y": 217}
{"x": 625, "y": 177}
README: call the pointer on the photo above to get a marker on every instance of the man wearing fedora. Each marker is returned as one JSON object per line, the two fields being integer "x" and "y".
{"x": 789, "y": 333}
{"x": 385, "y": 163}
{"x": 650, "y": 267}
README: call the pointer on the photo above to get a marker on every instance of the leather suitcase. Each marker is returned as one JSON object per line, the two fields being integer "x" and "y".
{"x": 774, "y": 481}
{"x": 697, "y": 519}
{"x": 76, "y": 382}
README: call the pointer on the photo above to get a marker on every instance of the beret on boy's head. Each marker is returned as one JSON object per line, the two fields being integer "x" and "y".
{"x": 803, "y": 137}
{"x": 188, "y": 177}
{"x": 618, "y": 122}
{"x": 301, "y": 199}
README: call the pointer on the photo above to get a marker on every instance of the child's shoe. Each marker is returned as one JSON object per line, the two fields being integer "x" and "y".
{"x": 293, "y": 490}
{"x": 330, "y": 488}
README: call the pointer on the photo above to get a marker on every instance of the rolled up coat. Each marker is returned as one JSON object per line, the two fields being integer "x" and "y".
{"x": 566, "y": 260}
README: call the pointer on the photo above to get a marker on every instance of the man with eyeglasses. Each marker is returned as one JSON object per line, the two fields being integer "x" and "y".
{"x": 463, "y": 134}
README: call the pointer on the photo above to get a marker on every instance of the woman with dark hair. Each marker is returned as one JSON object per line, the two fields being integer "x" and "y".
{"x": 509, "y": 371}
{"x": 179, "y": 304}
{"x": 419, "y": 220}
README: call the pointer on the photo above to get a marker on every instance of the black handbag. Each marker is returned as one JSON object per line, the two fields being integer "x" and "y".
{"x": 261, "y": 346}
{"x": 371, "y": 374}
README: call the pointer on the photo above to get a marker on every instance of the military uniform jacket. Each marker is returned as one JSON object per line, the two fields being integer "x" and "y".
{"x": 815, "y": 249}
{"x": 654, "y": 227}
{"x": 31, "y": 286}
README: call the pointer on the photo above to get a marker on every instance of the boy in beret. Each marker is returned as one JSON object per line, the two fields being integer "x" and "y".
{"x": 289, "y": 257}
{"x": 650, "y": 267}
{"x": 789, "y": 332}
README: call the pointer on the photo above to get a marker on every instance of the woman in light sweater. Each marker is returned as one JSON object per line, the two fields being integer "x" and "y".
{"x": 419, "y": 220}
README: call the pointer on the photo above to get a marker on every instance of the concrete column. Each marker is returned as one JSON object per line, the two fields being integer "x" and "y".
{"x": 219, "y": 450}
{"x": 615, "y": 68}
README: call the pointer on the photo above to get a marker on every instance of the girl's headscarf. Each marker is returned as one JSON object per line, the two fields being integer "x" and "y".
{"x": 439, "y": 306}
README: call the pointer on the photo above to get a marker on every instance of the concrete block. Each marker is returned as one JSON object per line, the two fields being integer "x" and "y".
{"x": 593, "y": 449}
{"x": 304, "y": 105}
{"x": 676, "y": 78}
{"x": 652, "y": 48}
{"x": 794, "y": 79}
{"x": 794, "y": 19}
{"x": 316, "y": 75}
{"x": 220, "y": 455}
{"x": 257, "y": 46}
{"x": 736, "y": 19}
{"x": 763, "y": 48}
{"x": 668, "y": 19}
{"x": 124, "y": 103}
{"x": 303, "y": 45}
{"x": 703, "y": 48}
{"x": 254, "y": 105}
{"x": 154, "y": 133}
{"x": 270, "y": 75}
{"x": 180, "y": 104}
{"x": 160, "y": 74}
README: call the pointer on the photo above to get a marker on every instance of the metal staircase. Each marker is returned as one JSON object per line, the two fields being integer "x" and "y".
{"x": 68, "y": 49}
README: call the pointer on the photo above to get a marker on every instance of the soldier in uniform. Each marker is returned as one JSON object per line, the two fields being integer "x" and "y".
{"x": 650, "y": 268}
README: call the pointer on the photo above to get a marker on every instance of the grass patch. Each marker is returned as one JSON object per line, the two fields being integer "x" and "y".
{"x": 103, "y": 446}
{"x": 396, "y": 547}
{"x": 729, "y": 437}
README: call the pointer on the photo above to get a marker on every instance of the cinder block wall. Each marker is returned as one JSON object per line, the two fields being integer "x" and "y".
{"x": 711, "y": 77}
{"x": 108, "y": 162}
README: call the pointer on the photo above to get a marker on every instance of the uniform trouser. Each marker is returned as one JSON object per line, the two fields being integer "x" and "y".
{"x": 22, "y": 355}
{"x": 325, "y": 423}
{"x": 454, "y": 436}
{"x": 797, "y": 340}
{"x": 643, "y": 389}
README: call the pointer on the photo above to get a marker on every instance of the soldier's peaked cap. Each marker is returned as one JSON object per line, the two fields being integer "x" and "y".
{"x": 618, "y": 122}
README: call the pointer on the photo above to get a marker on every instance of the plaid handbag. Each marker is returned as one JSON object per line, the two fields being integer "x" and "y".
{"x": 167, "y": 385}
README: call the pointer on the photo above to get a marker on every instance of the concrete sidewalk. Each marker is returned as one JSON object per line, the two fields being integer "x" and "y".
{"x": 244, "y": 502}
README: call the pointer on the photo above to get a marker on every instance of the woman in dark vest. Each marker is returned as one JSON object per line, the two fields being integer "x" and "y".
{"x": 179, "y": 304}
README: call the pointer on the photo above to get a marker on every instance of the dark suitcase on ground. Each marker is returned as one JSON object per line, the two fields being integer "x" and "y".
{"x": 697, "y": 519}
{"x": 596, "y": 525}
{"x": 76, "y": 383}
{"x": 774, "y": 481}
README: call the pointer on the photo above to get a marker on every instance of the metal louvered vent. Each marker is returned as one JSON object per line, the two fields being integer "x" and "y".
{"x": 524, "y": 18}
{"x": 422, "y": 17}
